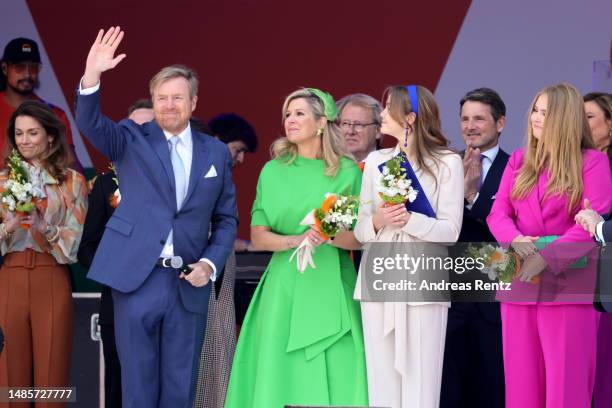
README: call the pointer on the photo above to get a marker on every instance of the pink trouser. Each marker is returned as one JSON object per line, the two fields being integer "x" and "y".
{"x": 603, "y": 376}
{"x": 549, "y": 355}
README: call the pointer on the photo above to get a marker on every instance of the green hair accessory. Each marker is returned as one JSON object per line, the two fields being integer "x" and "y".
{"x": 331, "y": 113}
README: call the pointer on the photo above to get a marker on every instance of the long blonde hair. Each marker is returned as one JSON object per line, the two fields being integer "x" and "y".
{"x": 564, "y": 134}
{"x": 332, "y": 149}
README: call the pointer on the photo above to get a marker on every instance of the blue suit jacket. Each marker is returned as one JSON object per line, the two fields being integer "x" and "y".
{"x": 136, "y": 232}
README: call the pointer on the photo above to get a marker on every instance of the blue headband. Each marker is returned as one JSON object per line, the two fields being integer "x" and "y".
{"x": 414, "y": 98}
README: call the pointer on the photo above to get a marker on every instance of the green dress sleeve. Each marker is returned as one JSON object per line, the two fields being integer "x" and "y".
{"x": 258, "y": 213}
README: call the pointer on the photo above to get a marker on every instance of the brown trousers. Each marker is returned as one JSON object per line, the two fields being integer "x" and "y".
{"x": 37, "y": 318}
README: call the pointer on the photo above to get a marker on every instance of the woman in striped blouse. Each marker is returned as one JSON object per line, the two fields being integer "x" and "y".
{"x": 35, "y": 294}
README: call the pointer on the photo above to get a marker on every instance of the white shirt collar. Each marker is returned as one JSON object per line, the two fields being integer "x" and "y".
{"x": 491, "y": 154}
{"x": 184, "y": 136}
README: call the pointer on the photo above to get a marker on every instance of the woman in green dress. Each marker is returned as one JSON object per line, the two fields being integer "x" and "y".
{"x": 301, "y": 341}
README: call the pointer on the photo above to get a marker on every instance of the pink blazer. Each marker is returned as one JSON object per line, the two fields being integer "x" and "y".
{"x": 536, "y": 215}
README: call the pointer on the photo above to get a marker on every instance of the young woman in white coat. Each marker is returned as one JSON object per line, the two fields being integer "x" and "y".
{"x": 404, "y": 341}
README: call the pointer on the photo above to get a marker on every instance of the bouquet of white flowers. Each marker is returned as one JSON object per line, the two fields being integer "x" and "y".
{"x": 394, "y": 187}
{"x": 23, "y": 188}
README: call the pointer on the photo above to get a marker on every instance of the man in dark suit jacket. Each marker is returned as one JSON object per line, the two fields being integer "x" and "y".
{"x": 473, "y": 362}
{"x": 177, "y": 200}
{"x": 98, "y": 213}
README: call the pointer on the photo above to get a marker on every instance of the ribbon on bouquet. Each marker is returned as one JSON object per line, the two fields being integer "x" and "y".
{"x": 305, "y": 251}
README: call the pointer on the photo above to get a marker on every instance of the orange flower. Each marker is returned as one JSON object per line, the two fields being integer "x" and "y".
{"x": 329, "y": 202}
{"x": 496, "y": 256}
{"x": 517, "y": 262}
{"x": 21, "y": 214}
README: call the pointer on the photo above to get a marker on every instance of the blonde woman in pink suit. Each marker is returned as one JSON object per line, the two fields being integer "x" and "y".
{"x": 549, "y": 342}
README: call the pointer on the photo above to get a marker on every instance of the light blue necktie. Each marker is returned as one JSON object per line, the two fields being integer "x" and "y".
{"x": 179, "y": 172}
{"x": 179, "y": 178}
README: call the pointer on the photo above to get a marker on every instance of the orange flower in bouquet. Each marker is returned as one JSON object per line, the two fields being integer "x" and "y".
{"x": 336, "y": 213}
{"x": 500, "y": 264}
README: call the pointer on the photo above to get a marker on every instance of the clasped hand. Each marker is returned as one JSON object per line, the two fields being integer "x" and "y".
{"x": 33, "y": 219}
{"x": 524, "y": 245}
{"x": 314, "y": 237}
{"x": 200, "y": 274}
{"x": 588, "y": 218}
{"x": 533, "y": 263}
{"x": 532, "y": 266}
{"x": 472, "y": 170}
{"x": 396, "y": 216}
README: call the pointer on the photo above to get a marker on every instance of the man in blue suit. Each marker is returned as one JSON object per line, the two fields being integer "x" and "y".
{"x": 177, "y": 200}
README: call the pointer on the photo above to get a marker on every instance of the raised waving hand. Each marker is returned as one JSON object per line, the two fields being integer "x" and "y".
{"x": 101, "y": 56}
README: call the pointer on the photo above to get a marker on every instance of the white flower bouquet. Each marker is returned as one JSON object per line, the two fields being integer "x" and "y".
{"x": 23, "y": 188}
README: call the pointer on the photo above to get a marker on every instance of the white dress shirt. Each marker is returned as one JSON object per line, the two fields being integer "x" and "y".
{"x": 599, "y": 233}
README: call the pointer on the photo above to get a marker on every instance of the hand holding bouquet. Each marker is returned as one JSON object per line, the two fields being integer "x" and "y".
{"x": 500, "y": 264}
{"x": 336, "y": 213}
{"x": 394, "y": 187}
{"x": 23, "y": 189}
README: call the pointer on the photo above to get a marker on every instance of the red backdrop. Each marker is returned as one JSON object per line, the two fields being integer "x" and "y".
{"x": 251, "y": 54}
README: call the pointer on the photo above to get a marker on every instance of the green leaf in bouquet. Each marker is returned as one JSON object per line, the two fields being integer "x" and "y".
{"x": 18, "y": 171}
{"x": 25, "y": 207}
{"x": 392, "y": 200}
{"x": 508, "y": 273}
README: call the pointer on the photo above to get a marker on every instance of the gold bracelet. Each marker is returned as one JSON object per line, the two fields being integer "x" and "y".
{"x": 55, "y": 235}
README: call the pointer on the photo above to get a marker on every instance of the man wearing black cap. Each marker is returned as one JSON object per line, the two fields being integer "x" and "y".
{"x": 20, "y": 68}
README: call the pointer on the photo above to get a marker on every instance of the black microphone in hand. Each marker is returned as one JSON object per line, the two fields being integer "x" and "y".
{"x": 176, "y": 262}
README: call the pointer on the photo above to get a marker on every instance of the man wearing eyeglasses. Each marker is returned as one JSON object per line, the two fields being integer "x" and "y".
{"x": 359, "y": 121}
{"x": 20, "y": 68}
